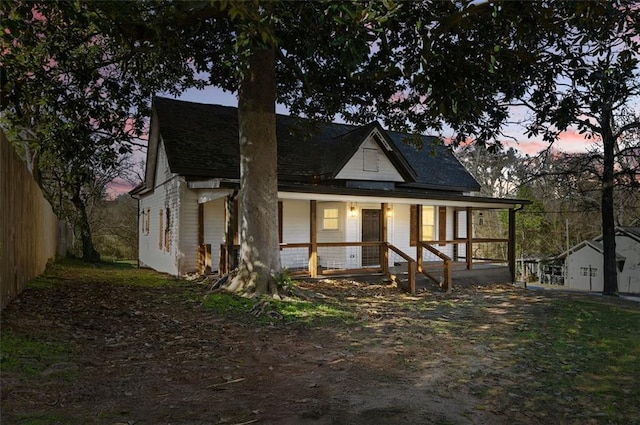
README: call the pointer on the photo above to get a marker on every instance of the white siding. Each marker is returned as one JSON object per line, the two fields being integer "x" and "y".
{"x": 214, "y": 231}
{"x": 188, "y": 256}
{"x": 400, "y": 229}
{"x": 163, "y": 173}
{"x": 331, "y": 257}
{"x": 295, "y": 229}
{"x": 462, "y": 233}
{"x": 629, "y": 278}
{"x": 576, "y": 262}
{"x": 355, "y": 167}
{"x": 153, "y": 253}
{"x": 462, "y": 225}
{"x": 295, "y": 221}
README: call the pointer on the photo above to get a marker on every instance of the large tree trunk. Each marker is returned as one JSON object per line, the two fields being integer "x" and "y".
{"x": 259, "y": 249}
{"x": 89, "y": 252}
{"x": 608, "y": 224}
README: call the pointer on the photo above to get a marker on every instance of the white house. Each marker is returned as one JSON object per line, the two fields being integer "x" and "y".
{"x": 584, "y": 263}
{"x": 350, "y": 197}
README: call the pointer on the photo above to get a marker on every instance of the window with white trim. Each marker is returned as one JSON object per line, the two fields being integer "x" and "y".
{"x": 330, "y": 219}
{"x": 428, "y": 223}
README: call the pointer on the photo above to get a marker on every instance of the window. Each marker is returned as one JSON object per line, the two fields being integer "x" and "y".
{"x": 588, "y": 271}
{"x": 167, "y": 231}
{"x": 330, "y": 219}
{"x": 370, "y": 160}
{"x": 160, "y": 231}
{"x": 426, "y": 227}
{"x": 428, "y": 223}
{"x": 144, "y": 221}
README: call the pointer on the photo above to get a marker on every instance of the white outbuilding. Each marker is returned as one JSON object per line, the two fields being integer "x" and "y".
{"x": 584, "y": 263}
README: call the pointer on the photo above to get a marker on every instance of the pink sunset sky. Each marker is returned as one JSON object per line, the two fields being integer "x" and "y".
{"x": 570, "y": 141}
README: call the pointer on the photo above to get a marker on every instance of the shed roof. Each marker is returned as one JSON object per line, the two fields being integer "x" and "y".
{"x": 595, "y": 245}
{"x": 633, "y": 232}
{"x": 201, "y": 141}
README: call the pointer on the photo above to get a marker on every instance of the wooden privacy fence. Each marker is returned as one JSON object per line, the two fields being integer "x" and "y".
{"x": 30, "y": 233}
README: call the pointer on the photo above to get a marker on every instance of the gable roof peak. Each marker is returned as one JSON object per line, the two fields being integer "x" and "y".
{"x": 201, "y": 141}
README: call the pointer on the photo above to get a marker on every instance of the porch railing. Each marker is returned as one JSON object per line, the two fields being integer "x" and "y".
{"x": 474, "y": 251}
{"x": 412, "y": 267}
{"x": 296, "y": 257}
{"x": 344, "y": 258}
{"x": 447, "y": 282}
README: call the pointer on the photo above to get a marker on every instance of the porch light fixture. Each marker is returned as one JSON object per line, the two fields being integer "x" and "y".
{"x": 352, "y": 211}
{"x": 389, "y": 211}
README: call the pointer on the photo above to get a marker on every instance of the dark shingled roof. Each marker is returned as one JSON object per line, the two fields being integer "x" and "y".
{"x": 631, "y": 231}
{"x": 201, "y": 141}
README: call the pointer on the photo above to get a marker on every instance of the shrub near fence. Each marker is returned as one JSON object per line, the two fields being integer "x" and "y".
{"x": 29, "y": 230}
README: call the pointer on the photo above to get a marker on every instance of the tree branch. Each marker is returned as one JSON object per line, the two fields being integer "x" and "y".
{"x": 630, "y": 126}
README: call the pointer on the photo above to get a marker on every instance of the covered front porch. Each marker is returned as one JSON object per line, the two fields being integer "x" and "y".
{"x": 399, "y": 238}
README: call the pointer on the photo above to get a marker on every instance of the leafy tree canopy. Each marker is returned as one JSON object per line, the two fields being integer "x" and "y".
{"x": 75, "y": 72}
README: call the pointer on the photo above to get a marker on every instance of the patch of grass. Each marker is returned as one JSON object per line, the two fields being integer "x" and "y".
{"x": 228, "y": 304}
{"x": 43, "y": 282}
{"x": 29, "y": 357}
{"x": 43, "y": 419}
{"x": 119, "y": 273}
{"x": 310, "y": 313}
{"x": 298, "y": 312}
{"x": 586, "y": 356}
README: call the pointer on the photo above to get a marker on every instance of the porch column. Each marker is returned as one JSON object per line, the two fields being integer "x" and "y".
{"x": 313, "y": 240}
{"x": 456, "y": 234}
{"x": 512, "y": 244}
{"x": 469, "y": 238}
{"x": 230, "y": 232}
{"x": 419, "y": 237}
{"x": 384, "y": 251}
{"x": 202, "y": 263}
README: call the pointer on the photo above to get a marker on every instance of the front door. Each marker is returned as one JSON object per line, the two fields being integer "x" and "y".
{"x": 370, "y": 233}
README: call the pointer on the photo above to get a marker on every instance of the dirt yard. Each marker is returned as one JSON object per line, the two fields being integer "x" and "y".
{"x": 159, "y": 356}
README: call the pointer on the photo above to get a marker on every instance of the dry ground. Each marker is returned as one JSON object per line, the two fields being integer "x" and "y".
{"x": 159, "y": 356}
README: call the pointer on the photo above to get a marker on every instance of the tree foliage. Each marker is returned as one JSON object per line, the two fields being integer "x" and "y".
{"x": 593, "y": 84}
{"x": 418, "y": 66}
{"x": 74, "y": 101}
